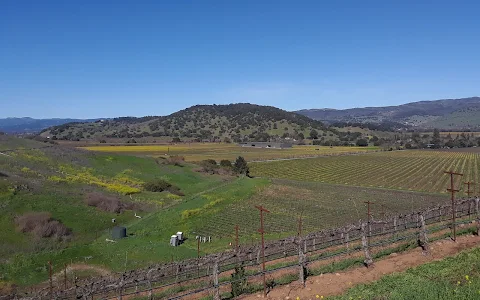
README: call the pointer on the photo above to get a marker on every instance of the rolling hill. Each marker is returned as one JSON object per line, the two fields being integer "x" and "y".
{"x": 445, "y": 114}
{"x": 237, "y": 122}
{"x": 30, "y": 125}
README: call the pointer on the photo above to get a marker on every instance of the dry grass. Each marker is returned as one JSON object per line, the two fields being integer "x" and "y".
{"x": 42, "y": 225}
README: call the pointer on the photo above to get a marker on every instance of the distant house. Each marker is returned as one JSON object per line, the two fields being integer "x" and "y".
{"x": 275, "y": 145}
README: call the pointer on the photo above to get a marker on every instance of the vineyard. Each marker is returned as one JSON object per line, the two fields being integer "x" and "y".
{"x": 319, "y": 205}
{"x": 287, "y": 260}
{"x": 199, "y": 151}
{"x": 401, "y": 170}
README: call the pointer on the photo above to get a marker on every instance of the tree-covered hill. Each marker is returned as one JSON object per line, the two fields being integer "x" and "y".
{"x": 233, "y": 122}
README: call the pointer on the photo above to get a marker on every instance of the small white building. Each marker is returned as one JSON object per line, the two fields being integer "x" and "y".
{"x": 174, "y": 240}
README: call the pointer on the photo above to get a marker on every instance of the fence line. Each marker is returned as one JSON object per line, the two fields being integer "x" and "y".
{"x": 214, "y": 272}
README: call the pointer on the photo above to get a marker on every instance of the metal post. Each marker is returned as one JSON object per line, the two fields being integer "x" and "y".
{"x": 368, "y": 219}
{"x": 453, "y": 191}
{"x": 262, "y": 231}
{"x": 469, "y": 192}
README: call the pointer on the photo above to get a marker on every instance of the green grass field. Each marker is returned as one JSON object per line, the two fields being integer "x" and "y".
{"x": 219, "y": 151}
{"x": 401, "y": 170}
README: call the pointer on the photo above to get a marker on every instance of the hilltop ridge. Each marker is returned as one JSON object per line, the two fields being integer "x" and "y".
{"x": 234, "y": 122}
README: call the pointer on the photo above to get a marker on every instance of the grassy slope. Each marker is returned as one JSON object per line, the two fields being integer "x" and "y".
{"x": 24, "y": 258}
{"x": 444, "y": 280}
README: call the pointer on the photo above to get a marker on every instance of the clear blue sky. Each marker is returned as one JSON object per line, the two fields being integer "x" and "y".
{"x": 118, "y": 58}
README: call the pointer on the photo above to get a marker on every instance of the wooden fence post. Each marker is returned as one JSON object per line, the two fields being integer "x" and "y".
{"x": 216, "y": 289}
{"x": 477, "y": 212}
{"x": 423, "y": 237}
{"x": 301, "y": 262}
{"x": 395, "y": 226}
{"x": 347, "y": 241}
{"x": 368, "y": 258}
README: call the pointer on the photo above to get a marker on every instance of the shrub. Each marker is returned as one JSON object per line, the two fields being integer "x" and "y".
{"x": 239, "y": 281}
{"x": 241, "y": 166}
{"x": 175, "y": 160}
{"x": 41, "y": 225}
{"x": 225, "y": 163}
{"x": 362, "y": 143}
{"x": 160, "y": 185}
{"x": 157, "y": 185}
{"x": 104, "y": 202}
{"x": 190, "y": 212}
{"x": 209, "y": 166}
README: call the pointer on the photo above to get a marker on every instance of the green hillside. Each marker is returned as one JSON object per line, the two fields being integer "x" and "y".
{"x": 235, "y": 122}
{"x": 45, "y": 214}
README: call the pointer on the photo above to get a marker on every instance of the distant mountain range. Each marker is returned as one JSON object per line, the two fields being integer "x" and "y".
{"x": 444, "y": 114}
{"x": 216, "y": 122}
{"x": 30, "y": 125}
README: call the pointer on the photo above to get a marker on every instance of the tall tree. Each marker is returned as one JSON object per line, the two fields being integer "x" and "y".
{"x": 240, "y": 166}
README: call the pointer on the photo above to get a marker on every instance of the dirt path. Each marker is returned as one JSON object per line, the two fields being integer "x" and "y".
{"x": 335, "y": 284}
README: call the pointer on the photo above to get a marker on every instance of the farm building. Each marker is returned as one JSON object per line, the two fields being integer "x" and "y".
{"x": 275, "y": 145}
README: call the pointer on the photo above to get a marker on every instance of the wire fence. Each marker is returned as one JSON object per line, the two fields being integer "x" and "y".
{"x": 213, "y": 275}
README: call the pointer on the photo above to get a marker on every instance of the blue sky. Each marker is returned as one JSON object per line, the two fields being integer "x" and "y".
{"x": 134, "y": 58}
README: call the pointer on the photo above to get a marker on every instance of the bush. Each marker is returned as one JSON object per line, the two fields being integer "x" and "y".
{"x": 175, "y": 160}
{"x": 209, "y": 166}
{"x": 239, "y": 281}
{"x": 160, "y": 185}
{"x": 41, "y": 225}
{"x": 362, "y": 143}
{"x": 225, "y": 163}
{"x": 240, "y": 166}
{"x": 104, "y": 202}
{"x": 157, "y": 185}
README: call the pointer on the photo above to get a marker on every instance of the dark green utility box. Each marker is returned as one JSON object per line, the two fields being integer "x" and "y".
{"x": 119, "y": 232}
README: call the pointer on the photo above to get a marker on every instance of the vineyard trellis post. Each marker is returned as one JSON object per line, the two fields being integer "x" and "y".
{"x": 468, "y": 184}
{"x": 477, "y": 213}
{"x": 236, "y": 238}
{"x": 262, "y": 231}
{"x": 368, "y": 219}
{"x": 452, "y": 190}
